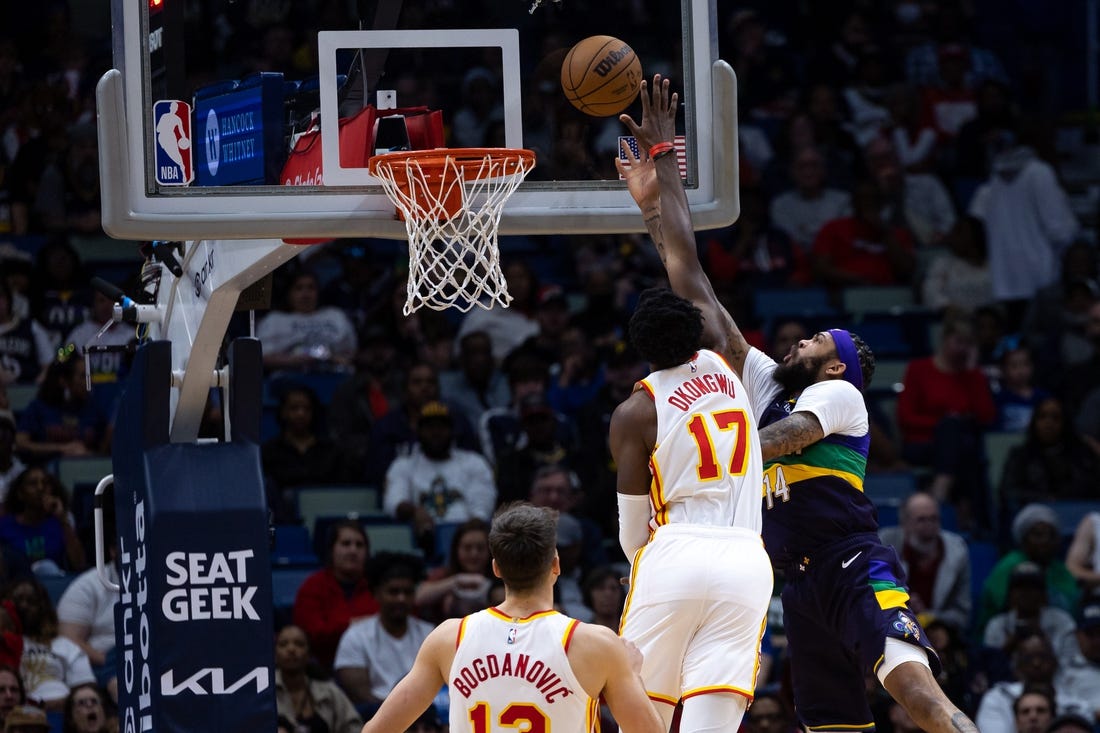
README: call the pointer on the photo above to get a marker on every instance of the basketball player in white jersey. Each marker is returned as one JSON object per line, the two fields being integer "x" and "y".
{"x": 689, "y": 474}
{"x": 521, "y": 664}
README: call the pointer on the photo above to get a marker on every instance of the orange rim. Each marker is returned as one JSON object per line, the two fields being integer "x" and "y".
{"x": 470, "y": 160}
{"x": 432, "y": 168}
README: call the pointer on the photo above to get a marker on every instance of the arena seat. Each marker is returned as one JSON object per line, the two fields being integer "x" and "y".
{"x": 392, "y": 536}
{"x": 1071, "y": 511}
{"x": 292, "y": 547}
{"x": 319, "y": 501}
{"x": 769, "y": 304}
{"x": 73, "y": 470}
{"x": 285, "y": 583}
{"x": 876, "y": 299}
{"x": 56, "y": 586}
{"x": 889, "y": 488}
{"x": 888, "y": 376}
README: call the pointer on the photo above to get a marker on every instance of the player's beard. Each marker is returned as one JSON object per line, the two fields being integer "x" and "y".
{"x": 795, "y": 376}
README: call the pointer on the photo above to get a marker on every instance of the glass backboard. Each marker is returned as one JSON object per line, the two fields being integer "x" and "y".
{"x": 279, "y": 97}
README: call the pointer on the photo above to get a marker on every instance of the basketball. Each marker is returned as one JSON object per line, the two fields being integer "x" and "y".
{"x": 184, "y": 143}
{"x": 600, "y": 76}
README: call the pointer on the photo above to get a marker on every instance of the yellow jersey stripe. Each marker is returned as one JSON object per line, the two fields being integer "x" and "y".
{"x": 567, "y": 637}
{"x": 656, "y": 491}
{"x": 801, "y": 472}
{"x": 657, "y": 697}
{"x": 461, "y": 631}
{"x": 505, "y": 617}
{"x": 891, "y": 598}
{"x": 633, "y": 585}
{"x": 718, "y": 688}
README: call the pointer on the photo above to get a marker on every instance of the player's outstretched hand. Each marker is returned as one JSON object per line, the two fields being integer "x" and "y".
{"x": 658, "y": 114}
{"x": 640, "y": 176}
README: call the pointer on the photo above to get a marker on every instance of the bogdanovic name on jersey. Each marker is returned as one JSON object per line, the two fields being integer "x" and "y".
{"x": 491, "y": 666}
{"x": 692, "y": 389}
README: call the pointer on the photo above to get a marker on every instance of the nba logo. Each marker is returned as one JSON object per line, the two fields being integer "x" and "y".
{"x": 172, "y": 126}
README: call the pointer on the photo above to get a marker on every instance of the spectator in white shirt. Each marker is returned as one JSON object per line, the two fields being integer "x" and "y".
{"x": 804, "y": 209}
{"x": 1081, "y": 668}
{"x": 1028, "y": 221}
{"x": 917, "y": 201}
{"x": 376, "y": 652}
{"x": 1027, "y": 611}
{"x": 959, "y": 278}
{"x": 51, "y": 664}
{"x": 437, "y": 481}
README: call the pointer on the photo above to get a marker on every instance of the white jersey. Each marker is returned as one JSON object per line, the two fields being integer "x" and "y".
{"x": 706, "y": 463}
{"x": 514, "y": 673}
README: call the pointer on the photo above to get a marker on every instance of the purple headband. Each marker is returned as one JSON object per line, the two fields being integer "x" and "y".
{"x": 846, "y": 351}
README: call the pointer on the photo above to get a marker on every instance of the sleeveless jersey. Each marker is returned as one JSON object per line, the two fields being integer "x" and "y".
{"x": 814, "y": 498}
{"x": 706, "y": 463}
{"x": 513, "y": 673}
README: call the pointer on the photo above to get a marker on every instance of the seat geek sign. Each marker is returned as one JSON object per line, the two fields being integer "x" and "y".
{"x": 194, "y": 621}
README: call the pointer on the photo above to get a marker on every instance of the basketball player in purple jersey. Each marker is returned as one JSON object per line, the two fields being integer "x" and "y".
{"x": 844, "y": 600}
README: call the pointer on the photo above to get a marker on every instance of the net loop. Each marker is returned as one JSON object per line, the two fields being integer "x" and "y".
{"x": 451, "y": 200}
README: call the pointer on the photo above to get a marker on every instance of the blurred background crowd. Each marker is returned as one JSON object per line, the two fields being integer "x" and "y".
{"x": 923, "y": 172}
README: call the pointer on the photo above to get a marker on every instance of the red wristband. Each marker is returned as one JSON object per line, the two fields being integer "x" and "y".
{"x": 661, "y": 149}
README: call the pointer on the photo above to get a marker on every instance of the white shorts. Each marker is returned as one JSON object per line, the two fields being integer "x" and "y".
{"x": 696, "y": 608}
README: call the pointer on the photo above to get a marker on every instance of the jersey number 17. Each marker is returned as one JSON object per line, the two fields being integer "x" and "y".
{"x": 725, "y": 420}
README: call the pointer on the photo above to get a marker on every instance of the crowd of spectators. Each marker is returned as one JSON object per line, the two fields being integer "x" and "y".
{"x": 906, "y": 145}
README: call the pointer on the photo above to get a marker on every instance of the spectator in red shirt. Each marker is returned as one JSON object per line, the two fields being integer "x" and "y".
{"x": 337, "y": 594}
{"x": 863, "y": 249}
{"x": 942, "y": 410}
{"x": 952, "y": 103}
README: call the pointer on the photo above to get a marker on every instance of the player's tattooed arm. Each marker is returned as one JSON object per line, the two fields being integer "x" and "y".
{"x": 652, "y": 219}
{"x": 790, "y": 435}
{"x": 963, "y": 724}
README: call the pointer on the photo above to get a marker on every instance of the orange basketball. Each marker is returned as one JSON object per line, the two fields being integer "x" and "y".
{"x": 600, "y": 76}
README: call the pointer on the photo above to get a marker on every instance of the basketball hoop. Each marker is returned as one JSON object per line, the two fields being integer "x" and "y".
{"x": 451, "y": 200}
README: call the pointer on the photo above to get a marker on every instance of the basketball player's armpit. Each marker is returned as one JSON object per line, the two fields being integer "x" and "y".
{"x": 790, "y": 435}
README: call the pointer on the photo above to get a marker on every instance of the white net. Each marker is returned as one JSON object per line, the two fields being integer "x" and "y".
{"x": 452, "y": 212}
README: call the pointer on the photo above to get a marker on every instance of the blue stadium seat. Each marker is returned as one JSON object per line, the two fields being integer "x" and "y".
{"x": 983, "y": 556}
{"x": 444, "y": 535}
{"x": 285, "y": 583}
{"x": 889, "y": 488}
{"x": 887, "y": 515}
{"x": 887, "y": 337}
{"x": 56, "y": 586}
{"x": 1071, "y": 511}
{"x": 770, "y": 304}
{"x": 949, "y": 520}
{"x": 292, "y": 547}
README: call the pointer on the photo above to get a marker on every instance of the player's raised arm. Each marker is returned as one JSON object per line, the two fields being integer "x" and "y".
{"x": 654, "y": 182}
